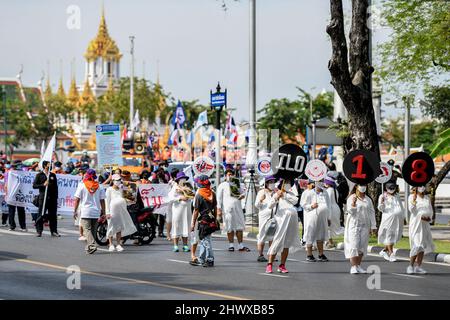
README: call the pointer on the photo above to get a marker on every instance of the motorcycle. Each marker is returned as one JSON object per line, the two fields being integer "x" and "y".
{"x": 144, "y": 221}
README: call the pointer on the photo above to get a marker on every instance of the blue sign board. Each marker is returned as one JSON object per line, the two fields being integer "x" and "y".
{"x": 218, "y": 99}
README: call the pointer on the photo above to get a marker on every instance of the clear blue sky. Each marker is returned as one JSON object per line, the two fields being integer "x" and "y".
{"x": 196, "y": 42}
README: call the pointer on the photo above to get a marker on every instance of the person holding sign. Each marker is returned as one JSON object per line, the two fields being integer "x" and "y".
{"x": 360, "y": 219}
{"x": 420, "y": 238}
{"x": 181, "y": 196}
{"x": 391, "y": 226}
{"x": 286, "y": 237}
{"x": 263, "y": 200}
{"x": 229, "y": 206}
{"x": 119, "y": 220}
{"x": 316, "y": 205}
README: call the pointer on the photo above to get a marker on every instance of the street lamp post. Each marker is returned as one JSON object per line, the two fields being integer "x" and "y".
{"x": 132, "y": 84}
{"x": 218, "y": 107}
{"x": 313, "y": 151}
{"x": 4, "y": 120}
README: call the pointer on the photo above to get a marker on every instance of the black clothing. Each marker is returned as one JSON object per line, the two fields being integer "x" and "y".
{"x": 51, "y": 204}
{"x": 11, "y": 216}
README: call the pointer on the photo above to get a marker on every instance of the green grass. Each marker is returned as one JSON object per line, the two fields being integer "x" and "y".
{"x": 441, "y": 246}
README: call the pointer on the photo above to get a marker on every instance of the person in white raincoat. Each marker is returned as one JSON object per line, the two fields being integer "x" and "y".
{"x": 172, "y": 184}
{"x": 287, "y": 237}
{"x": 391, "y": 226}
{"x": 230, "y": 208}
{"x": 263, "y": 199}
{"x": 181, "y": 211}
{"x": 420, "y": 238}
{"x": 316, "y": 206}
{"x": 120, "y": 223}
{"x": 334, "y": 218}
{"x": 360, "y": 220}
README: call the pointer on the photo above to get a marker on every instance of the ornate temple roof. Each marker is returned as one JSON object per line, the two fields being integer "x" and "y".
{"x": 87, "y": 96}
{"x": 73, "y": 97}
{"x": 103, "y": 45}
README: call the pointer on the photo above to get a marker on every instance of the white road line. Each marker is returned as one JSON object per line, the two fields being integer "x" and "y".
{"x": 408, "y": 275}
{"x": 16, "y": 233}
{"x": 49, "y": 234}
{"x": 295, "y": 260}
{"x": 273, "y": 275}
{"x": 69, "y": 231}
{"x": 400, "y": 293}
{"x": 406, "y": 259}
{"x": 100, "y": 249}
{"x": 179, "y": 261}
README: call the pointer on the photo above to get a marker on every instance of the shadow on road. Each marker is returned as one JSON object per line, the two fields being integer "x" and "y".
{"x": 6, "y": 255}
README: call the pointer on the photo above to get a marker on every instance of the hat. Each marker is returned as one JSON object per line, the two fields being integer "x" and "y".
{"x": 391, "y": 185}
{"x": 91, "y": 174}
{"x": 269, "y": 178}
{"x": 330, "y": 181}
{"x": 116, "y": 177}
{"x": 181, "y": 175}
{"x": 202, "y": 181}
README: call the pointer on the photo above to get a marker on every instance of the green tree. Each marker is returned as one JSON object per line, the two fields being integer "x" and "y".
{"x": 419, "y": 46}
{"x": 438, "y": 103}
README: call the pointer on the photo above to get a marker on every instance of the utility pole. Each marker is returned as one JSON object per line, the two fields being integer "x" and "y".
{"x": 4, "y": 120}
{"x": 132, "y": 83}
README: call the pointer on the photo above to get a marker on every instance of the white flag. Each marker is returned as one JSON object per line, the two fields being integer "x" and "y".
{"x": 42, "y": 149}
{"x": 48, "y": 154}
{"x": 136, "y": 121}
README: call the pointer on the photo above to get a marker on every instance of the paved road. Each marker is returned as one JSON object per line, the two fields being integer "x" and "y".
{"x": 35, "y": 268}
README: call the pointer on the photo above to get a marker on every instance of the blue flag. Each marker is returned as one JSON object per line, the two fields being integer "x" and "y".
{"x": 179, "y": 116}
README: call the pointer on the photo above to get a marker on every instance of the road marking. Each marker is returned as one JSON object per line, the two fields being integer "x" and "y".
{"x": 400, "y": 293}
{"x": 179, "y": 261}
{"x": 131, "y": 280}
{"x": 49, "y": 233}
{"x": 408, "y": 275}
{"x": 16, "y": 233}
{"x": 273, "y": 275}
{"x": 295, "y": 260}
{"x": 69, "y": 231}
{"x": 101, "y": 249}
{"x": 406, "y": 259}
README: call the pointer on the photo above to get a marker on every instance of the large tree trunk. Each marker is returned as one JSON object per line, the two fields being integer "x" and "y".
{"x": 434, "y": 184}
{"x": 351, "y": 77}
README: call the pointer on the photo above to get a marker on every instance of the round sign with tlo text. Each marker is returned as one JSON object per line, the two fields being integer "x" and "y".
{"x": 288, "y": 162}
{"x": 418, "y": 169}
{"x": 316, "y": 170}
{"x": 361, "y": 166}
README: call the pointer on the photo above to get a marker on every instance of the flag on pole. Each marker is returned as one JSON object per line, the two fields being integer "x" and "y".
{"x": 230, "y": 129}
{"x": 48, "y": 153}
{"x": 124, "y": 133}
{"x": 136, "y": 121}
{"x": 179, "y": 116}
{"x": 42, "y": 149}
{"x": 202, "y": 119}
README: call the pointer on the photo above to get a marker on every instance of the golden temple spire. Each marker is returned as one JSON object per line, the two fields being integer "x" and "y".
{"x": 61, "y": 93}
{"x": 73, "y": 97}
{"x": 103, "y": 45}
{"x": 87, "y": 96}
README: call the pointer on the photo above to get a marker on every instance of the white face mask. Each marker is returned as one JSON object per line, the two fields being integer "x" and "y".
{"x": 421, "y": 189}
{"x": 182, "y": 181}
{"x": 271, "y": 186}
{"x": 362, "y": 189}
{"x": 117, "y": 183}
{"x": 391, "y": 191}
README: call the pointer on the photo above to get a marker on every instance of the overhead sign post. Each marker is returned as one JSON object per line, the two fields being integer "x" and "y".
{"x": 109, "y": 150}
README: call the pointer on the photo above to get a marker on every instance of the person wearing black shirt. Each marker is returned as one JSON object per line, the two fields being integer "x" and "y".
{"x": 41, "y": 181}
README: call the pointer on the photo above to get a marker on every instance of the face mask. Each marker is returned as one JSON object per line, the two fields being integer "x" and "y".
{"x": 8, "y": 166}
{"x": 421, "y": 189}
{"x": 117, "y": 183}
{"x": 362, "y": 189}
{"x": 287, "y": 186}
{"x": 229, "y": 178}
{"x": 391, "y": 191}
{"x": 182, "y": 181}
{"x": 271, "y": 186}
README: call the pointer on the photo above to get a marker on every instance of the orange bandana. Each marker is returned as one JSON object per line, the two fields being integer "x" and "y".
{"x": 206, "y": 193}
{"x": 91, "y": 185}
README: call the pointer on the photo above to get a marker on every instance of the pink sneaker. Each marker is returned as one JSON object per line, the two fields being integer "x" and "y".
{"x": 282, "y": 269}
{"x": 269, "y": 268}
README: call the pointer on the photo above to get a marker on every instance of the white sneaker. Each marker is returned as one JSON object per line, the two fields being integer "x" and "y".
{"x": 24, "y": 230}
{"x": 419, "y": 270}
{"x": 354, "y": 270}
{"x": 392, "y": 258}
{"x": 360, "y": 269}
{"x": 384, "y": 254}
{"x": 410, "y": 270}
{"x": 82, "y": 238}
{"x": 119, "y": 248}
{"x": 111, "y": 248}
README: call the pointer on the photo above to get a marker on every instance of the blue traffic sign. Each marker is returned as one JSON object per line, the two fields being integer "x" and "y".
{"x": 218, "y": 99}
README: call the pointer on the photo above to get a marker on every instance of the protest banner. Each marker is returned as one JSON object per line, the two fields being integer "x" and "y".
{"x": 21, "y": 192}
{"x": 155, "y": 195}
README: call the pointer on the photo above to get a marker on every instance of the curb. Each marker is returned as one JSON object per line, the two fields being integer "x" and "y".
{"x": 404, "y": 253}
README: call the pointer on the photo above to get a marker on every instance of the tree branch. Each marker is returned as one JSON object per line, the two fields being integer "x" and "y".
{"x": 338, "y": 64}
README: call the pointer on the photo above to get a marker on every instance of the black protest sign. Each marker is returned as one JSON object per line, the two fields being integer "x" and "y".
{"x": 418, "y": 169}
{"x": 288, "y": 162}
{"x": 361, "y": 166}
